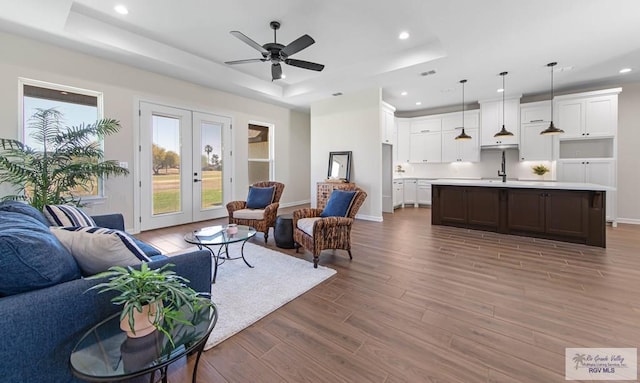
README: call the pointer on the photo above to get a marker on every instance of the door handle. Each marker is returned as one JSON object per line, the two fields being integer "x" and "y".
{"x": 196, "y": 180}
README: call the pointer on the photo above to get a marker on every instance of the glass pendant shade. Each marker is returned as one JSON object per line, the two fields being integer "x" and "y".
{"x": 463, "y": 135}
{"x": 551, "y": 130}
{"x": 503, "y": 132}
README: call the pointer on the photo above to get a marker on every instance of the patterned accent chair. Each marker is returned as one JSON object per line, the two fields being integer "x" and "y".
{"x": 260, "y": 219}
{"x": 315, "y": 233}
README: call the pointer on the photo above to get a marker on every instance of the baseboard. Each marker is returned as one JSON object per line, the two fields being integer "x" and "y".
{"x": 631, "y": 221}
{"x": 369, "y": 218}
{"x": 295, "y": 203}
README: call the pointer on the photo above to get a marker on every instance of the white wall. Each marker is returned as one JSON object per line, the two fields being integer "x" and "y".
{"x": 628, "y": 153}
{"x": 122, "y": 85}
{"x": 350, "y": 123}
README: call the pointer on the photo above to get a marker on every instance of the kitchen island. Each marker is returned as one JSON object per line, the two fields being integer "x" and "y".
{"x": 563, "y": 211}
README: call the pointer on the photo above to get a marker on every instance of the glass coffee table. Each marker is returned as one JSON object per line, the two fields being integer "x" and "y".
{"x": 221, "y": 236}
{"x": 106, "y": 354}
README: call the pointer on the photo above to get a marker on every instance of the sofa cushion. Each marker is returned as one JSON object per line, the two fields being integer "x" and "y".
{"x": 23, "y": 208}
{"x": 96, "y": 248}
{"x": 306, "y": 224}
{"x": 67, "y": 215}
{"x": 339, "y": 203}
{"x": 259, "y": 198}
{"x": 257, "y": 214}
{"x": 30, "y": 256}
{"x": 148, "y": 250}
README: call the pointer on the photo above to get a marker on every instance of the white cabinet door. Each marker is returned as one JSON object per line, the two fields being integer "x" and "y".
{"x": 410, "y": 192}
{"x": 425, "y": 147}
{"x": 469, "y": 150}
{"x": 571, "y": 118}
{"x": 387, "y": 128}
{"x": 535, "y": 112}
{"x": 601, "y": 116}
{"x": 426, "y": 125}
{"x": 398, "y": 192}
{"x": 571, "y": 171}
{"x": 424, "y": 192}
{"x": 533, "y": 145}
{"x": 491, "y": 118}
{"x": 450, "y": 147}
{"x": 403, "y": 140}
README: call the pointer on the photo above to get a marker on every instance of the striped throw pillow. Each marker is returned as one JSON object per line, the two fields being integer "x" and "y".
{"x": 67, "y": 215}
{"x": 95, "y": 249}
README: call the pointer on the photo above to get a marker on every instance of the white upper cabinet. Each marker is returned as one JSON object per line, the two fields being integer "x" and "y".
{"x": 535, "y": 118}
{"x": 535, "y": 112}
{"x": 426, "y": 125}
{"x": 463, "y": 150}
{"x": 587, "y": 115}
{"x": 491, "y": 119}
{"x": 425, "y": 144}
{"x": 387, "y": 124}
{"x": 403, "y": 139}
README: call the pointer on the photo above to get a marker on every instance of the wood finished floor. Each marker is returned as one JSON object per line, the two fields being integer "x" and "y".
{"x": 422, "y": 303}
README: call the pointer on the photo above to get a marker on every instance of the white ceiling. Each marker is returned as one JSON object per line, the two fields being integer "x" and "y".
{"x": 357, "y": 41}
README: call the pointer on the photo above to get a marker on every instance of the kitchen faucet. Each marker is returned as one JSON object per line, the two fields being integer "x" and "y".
{"x": 503, "y": 172}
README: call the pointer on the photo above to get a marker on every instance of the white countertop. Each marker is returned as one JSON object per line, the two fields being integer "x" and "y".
{"x": 523, "y": 184}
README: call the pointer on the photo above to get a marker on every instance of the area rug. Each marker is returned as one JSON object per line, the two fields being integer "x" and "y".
{"x": 244, "y": 295}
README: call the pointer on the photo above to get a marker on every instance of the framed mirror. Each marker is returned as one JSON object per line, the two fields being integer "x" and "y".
{"x": 339, "y": 166}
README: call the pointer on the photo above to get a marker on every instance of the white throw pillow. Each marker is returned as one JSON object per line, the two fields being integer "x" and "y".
{"x": 67, "y": 215}
{"x": 96, "y": 249}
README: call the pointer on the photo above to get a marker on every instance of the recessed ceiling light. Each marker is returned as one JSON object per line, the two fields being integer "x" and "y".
{"x": 418, "y": 103}
{"x": 625, "y": 70}
{"x": 500, "y": 90}
{"x": 121, "y": 9}
{"x": 403, "y": 35}
{"x": 283, "y": 76}
{"x": 404, "y": 93}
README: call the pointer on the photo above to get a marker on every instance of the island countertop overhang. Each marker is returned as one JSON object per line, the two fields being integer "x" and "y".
{"x": 523, "y": 184}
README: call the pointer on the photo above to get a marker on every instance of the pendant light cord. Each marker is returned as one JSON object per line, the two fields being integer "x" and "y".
{"x": 552, "y": 91}
{"x": 503, "y": 91}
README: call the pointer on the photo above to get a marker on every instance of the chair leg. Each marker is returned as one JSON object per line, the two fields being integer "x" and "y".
{"x": 266, "y": 236}
{"x": 349, "y": 251}
{"x": 315, "y": 261}
{"x": 297, "y": 246}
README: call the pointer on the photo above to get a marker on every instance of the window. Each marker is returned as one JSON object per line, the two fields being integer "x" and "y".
{"x": 77, "y": 106}
{"x": 260, "y": 153}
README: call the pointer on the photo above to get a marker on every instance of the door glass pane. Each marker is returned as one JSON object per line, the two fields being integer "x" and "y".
{"x": 166, "y": 165}
{"x": 211, "y": 153}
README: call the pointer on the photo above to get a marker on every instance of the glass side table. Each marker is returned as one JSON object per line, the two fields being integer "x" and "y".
{"x": 221, "y": 236}
{"x": 106, "y": 354}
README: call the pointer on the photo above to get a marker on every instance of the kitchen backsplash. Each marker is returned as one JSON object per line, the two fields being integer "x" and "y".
{"x": 487, "y": 168}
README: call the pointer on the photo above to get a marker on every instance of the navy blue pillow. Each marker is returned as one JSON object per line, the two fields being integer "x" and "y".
{"x": 149, "y": 250}
{"x": 339, "y": 203}
{"x": 31, "y": 257}
{"x": 259, "y": 198}
{"x": 23, "y": 208}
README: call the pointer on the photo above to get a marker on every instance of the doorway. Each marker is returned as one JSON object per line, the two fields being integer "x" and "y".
{"x": 185, "y": 166}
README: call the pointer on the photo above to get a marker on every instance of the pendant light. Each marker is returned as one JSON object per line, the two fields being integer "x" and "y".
{"x": 551, "y": 130}
{"x": 503, "y": 132}
{"x": 463, "y": 135}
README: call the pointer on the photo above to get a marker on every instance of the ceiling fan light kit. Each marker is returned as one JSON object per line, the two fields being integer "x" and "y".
{"x": 552, "y": 130}
{"x": 503, "y": 132}
{"x": 278, "y": 53}
{"x": 463, "y": 135}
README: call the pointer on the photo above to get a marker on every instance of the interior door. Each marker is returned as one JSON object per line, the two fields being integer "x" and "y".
{"x": 184, "y": 166}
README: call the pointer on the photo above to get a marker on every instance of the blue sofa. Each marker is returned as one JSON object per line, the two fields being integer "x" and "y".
{"x": 39, "y": 328}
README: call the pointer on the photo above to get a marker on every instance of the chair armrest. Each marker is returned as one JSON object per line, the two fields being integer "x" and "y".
{"x": 235, "y": 205}
{"x": 305, "y": 213}
{"x": 329, "y": 222}
{"x": 110, "y": 221}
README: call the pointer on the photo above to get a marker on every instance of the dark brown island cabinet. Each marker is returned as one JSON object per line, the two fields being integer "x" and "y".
{"x": 559, "y": 211}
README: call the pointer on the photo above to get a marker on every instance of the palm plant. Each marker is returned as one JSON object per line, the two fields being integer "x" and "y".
{"x": 68, "y": 159}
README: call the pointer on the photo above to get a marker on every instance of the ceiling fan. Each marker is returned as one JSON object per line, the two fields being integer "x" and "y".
{"x": 277, "y": 53}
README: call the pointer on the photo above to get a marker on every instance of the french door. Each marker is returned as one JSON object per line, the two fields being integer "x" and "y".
{"x": 185, "y": 166}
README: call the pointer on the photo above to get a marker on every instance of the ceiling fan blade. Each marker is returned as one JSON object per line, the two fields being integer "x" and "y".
{"x": 245, "y": 61}
{"x": 249, "y": 42}
{"x": 305, "y": 64}
{"x": 297, "y": 45}
{"x": 276, "y": 72}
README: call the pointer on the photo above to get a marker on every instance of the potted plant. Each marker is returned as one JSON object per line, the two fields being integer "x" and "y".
{"x": 67, "y": 160}
{"x": 540, "y": 170}
{"x": 151, "y": 298}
